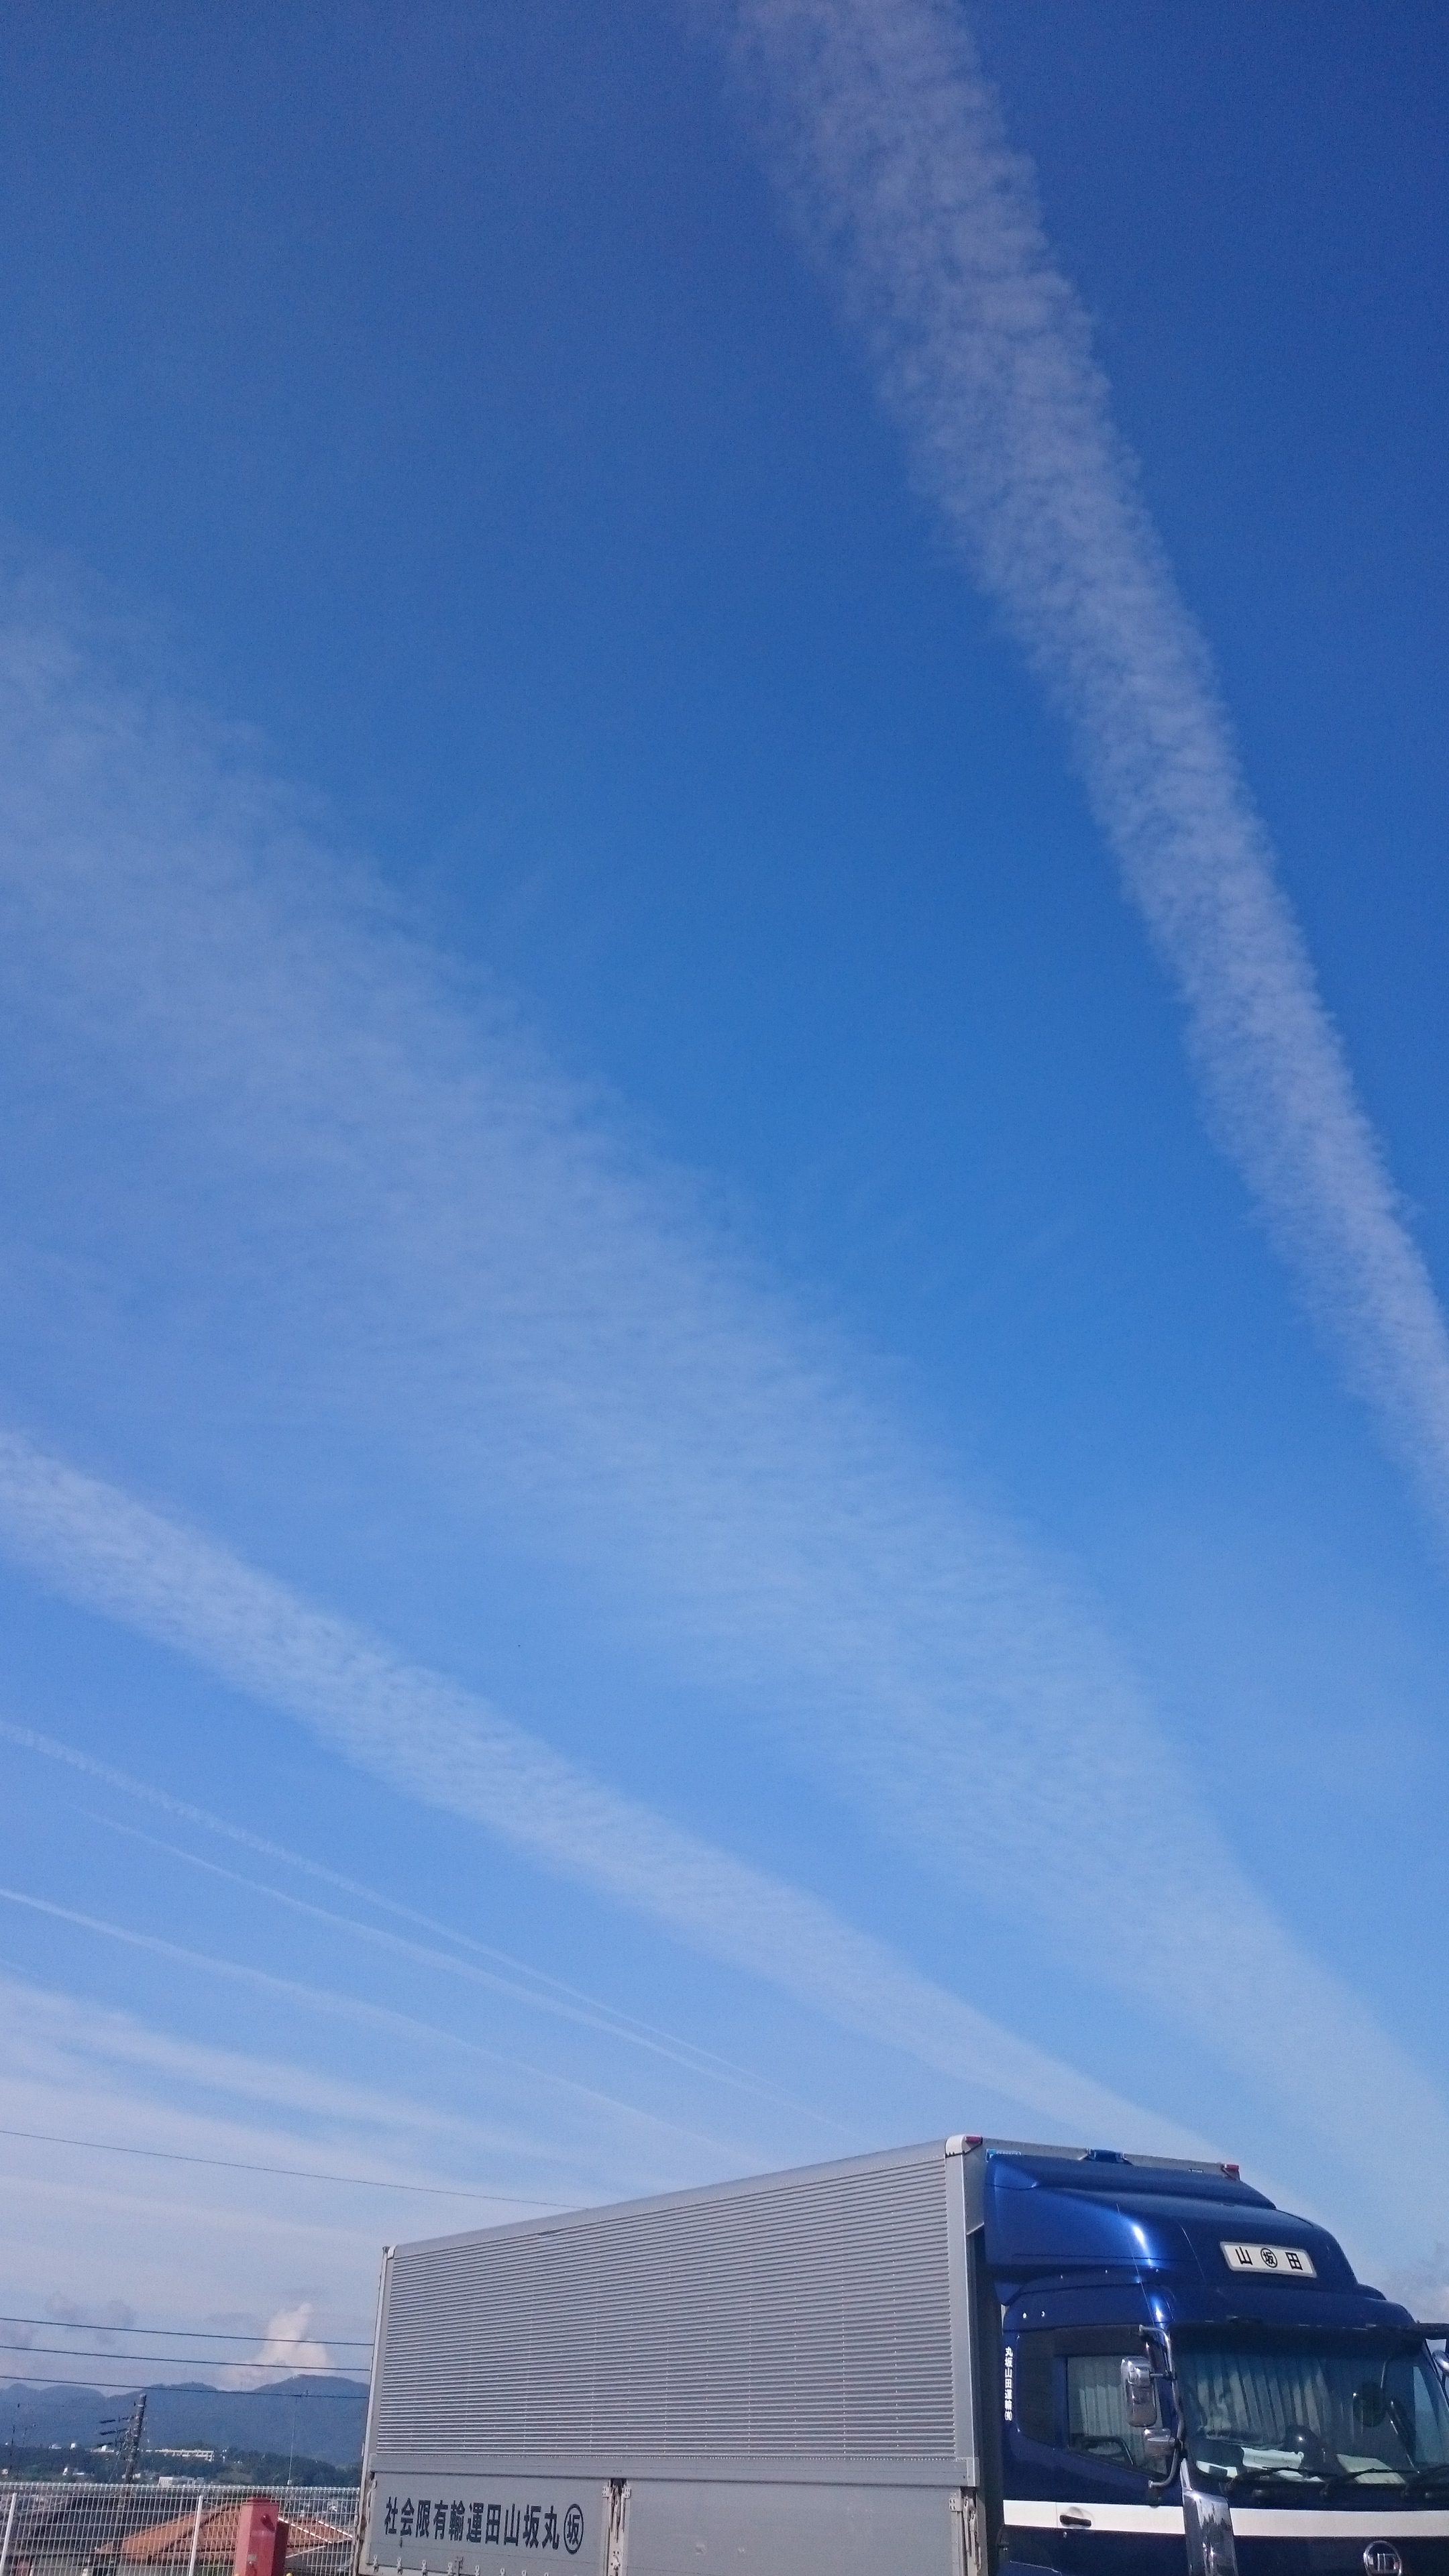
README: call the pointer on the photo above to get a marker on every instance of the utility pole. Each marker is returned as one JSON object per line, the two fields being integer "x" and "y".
{"x": 131, "y": 2450}
{"x": 131, "y": 2434}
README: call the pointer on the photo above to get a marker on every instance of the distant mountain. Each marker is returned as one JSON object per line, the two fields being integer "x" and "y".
{"x": 321, "y": 2418}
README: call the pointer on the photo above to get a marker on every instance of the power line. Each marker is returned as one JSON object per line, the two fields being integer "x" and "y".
{"x": 213, "y": 2334}
{"x": 197, "y": 2360}
{"x": 132, "y": 2388}
{"x": 291, "y": 2173}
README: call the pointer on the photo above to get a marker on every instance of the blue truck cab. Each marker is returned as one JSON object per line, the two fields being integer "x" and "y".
{"x": 1186, "y": 2373}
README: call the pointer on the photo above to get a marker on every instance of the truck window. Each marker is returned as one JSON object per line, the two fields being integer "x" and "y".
{"x": 1097, "y": 2413}
{"x": 1355, "y": 2409}
{"x": 1033, "y": 2408}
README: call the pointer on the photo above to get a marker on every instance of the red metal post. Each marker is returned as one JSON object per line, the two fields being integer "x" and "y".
{"x": 261, "y": 2540}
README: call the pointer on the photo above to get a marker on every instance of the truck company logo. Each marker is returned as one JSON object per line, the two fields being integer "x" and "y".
{"x": 483, "y": 2526}
{"x": 1381, "y": 2558}
{"x": 1290, "y": 2262}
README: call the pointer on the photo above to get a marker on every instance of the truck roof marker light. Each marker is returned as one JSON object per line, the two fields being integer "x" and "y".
{"x": 1234, "y": 2172}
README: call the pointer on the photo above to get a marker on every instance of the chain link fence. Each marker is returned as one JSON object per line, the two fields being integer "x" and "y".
{"x": 65, "y": 2528}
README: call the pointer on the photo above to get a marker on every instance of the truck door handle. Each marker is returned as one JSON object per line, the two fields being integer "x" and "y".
{"x": 1075, "y": 2520}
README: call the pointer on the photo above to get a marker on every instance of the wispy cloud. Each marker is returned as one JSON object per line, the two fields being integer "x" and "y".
{"x": 224, "y": 2220}
{"x": 424, "y": 1735}
{"x": 895, "y": 161}
{"x": 462, "y": 1956}
{"x": 448, "y": 1963}
{"x": 458, "y": 1278}
{"x": 338, "y": 2004}
{"x": 50, "y": 2036}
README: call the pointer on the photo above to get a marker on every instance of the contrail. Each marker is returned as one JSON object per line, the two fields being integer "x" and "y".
{"x": 496, "y": 1968}
{"x": 77, "y": 2071}
{"x": 75, "y": 2066}
{"x": 341, "y": 2006}
{"x": 895, "y": 164}
{"x": 423, "y": 1734}
{"x": 262, "y": 1099}
{"x": 695, "y": 2061}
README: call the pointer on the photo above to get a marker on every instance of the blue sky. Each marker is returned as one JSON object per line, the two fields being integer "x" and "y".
{"x": 724, "y": 1419}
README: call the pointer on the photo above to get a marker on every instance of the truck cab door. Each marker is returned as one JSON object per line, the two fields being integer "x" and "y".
{"x": 1076, "y": 2495}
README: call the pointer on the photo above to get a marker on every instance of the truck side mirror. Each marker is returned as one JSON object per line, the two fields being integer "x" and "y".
{"x": 1139, "y": 2394}
{"x": 1160, "y": 2450}
{"x": 1142, "y": 2400}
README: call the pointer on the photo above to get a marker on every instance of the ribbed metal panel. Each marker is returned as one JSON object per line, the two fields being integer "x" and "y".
{"x": 803, "y": 2319}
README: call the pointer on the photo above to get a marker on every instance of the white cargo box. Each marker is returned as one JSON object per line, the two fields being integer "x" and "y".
{"x": 757, "y": 2378}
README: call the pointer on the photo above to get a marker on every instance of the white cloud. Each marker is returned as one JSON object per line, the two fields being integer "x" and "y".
{"x": 332, "y": 2003}
{"x": 427, "y": 1737}
{"x": 896, "y": 165}
{"x": 191, "y": 2198}
{"x": 287, "y": 2340}
{"x": 459, "y": 1956}
{"x": 264, "y": 1102}
{"x": 76, "y": 2068}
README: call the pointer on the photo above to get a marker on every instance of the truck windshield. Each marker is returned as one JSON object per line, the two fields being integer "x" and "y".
{"x": 1301, "y": 2417}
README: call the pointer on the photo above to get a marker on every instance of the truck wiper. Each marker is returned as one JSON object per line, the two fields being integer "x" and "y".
{"x": 1424, "y": 2481}
{"x": 1284, "y": 2477}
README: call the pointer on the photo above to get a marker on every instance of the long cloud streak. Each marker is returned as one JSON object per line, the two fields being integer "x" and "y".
{"x": 298, "y": 1183}
{"x": 49, "y": 2081}
{"x": 333, "y": 2002}
{"x": 212, "y": 2232}
{"x": 891, "y": 147}
{"x": 449, "y": 1963}
{"x": 464, "y": 1956}
{"x": 422, "y": 1734}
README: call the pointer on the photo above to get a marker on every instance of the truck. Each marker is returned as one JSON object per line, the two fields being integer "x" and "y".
{"x": 945, "y": 2360}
